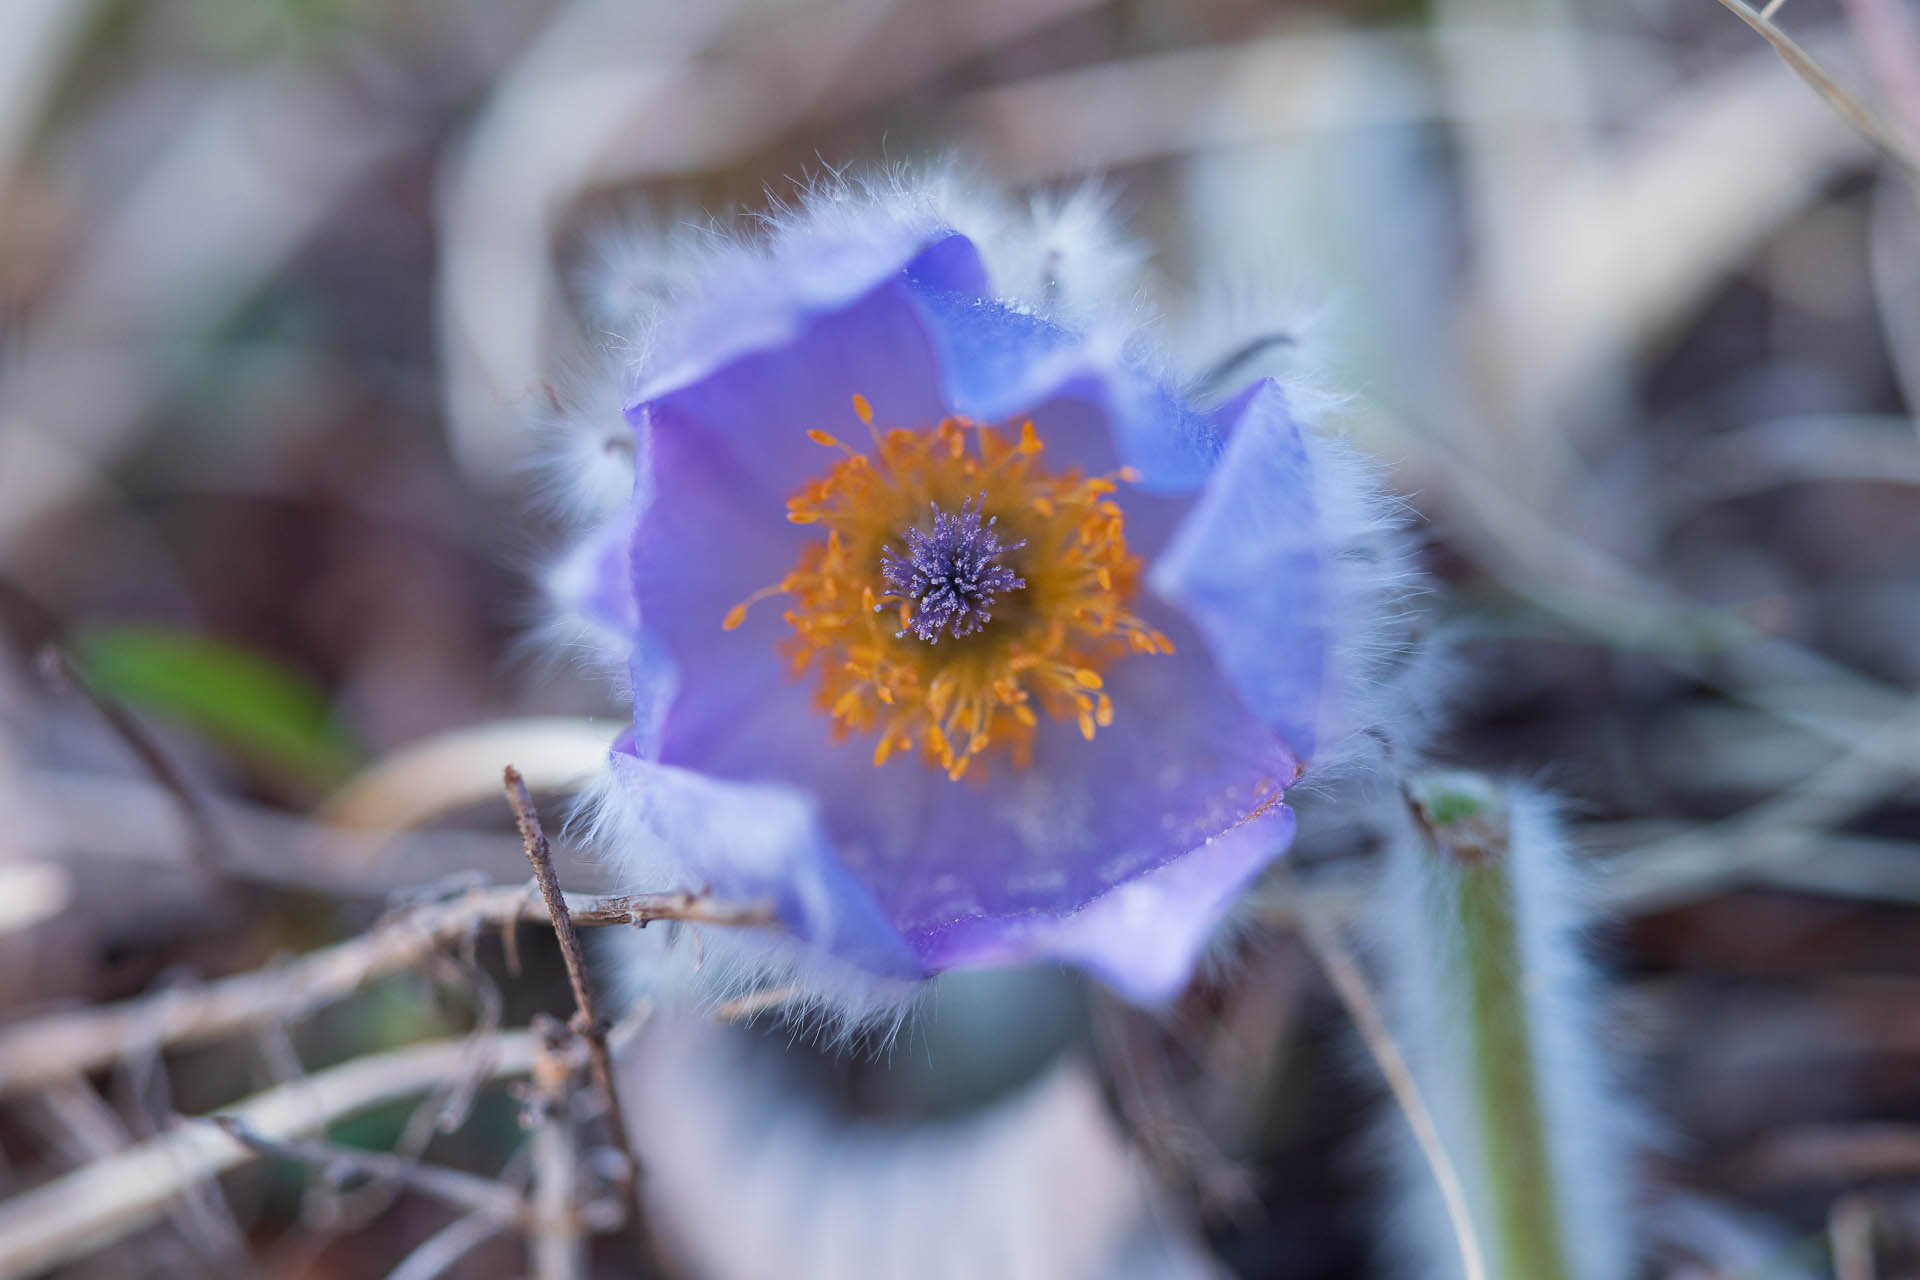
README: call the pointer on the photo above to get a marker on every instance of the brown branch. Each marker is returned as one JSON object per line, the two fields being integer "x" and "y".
{"x": 57, "y": 1046}
{"x": 587, "y": 1023}
{"x": 109, "y": 1199}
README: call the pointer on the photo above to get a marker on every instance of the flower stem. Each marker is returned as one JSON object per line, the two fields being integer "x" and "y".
{"x": 1468, "y": 884}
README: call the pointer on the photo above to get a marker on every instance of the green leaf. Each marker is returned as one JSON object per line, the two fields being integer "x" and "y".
{"x": 269, "y": 717}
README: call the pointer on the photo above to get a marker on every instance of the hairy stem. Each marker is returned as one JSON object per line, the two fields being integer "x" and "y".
{"x": 1469, "y": 891}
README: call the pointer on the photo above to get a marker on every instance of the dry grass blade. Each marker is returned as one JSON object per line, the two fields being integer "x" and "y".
{"x": 446, "y": 1247}
{"x": 463, "y": 1190}
{"x": 105, "y": 1201}
{"x": 1803, "y": 64}
{"x": 1350, "y": 984}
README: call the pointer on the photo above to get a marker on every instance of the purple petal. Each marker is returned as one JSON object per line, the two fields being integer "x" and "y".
{"x": 749, "y": 304}
{"x": 1002, "y": 364}
{"x": 725, "y": 453}
{"x": 754, "y": 843}
{"x": 1143, "y": 936}
{"x": 1247, "y": 567}
{"x": 1183, "y": 762}
{"x": 593, "y": 583}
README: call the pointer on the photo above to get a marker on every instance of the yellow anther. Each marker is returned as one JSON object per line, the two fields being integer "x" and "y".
{"x": 862, "y": 408}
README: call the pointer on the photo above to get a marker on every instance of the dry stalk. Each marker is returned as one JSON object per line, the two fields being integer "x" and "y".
{"x": 1850, "y": 109}
{"x": 58, "y": 1046}
{"x": 587, "y": 1022}
{"x": 461, "y": 1190}
{"x": 108, "y": 1200}
{"x": 1350, "y": 984}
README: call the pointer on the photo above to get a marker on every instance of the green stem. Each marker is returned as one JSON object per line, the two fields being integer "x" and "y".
{"x": 1471, "y": 892}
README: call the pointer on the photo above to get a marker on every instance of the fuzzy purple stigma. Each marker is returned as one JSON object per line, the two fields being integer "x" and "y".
{"x": 952, "y": 574}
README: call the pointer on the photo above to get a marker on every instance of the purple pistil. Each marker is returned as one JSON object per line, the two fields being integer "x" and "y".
{"x": 952, "y": 574}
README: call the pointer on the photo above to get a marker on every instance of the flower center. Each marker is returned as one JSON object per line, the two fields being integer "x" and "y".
{"x": 911, "y": 556}
{"x": 953, "y": 573}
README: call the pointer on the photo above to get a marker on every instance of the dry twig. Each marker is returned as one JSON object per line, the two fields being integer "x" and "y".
{"x": 462, "y": 1190}
{"x": 587, "y": 1023}
{"x": 58, "y": 1046}
{"x": 107, "y": 1200}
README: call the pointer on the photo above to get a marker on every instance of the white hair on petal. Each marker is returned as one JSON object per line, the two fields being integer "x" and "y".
{"x": 584, "y": 460}
{"x": 1388, "y": 677}
{"x": 1382, "y": 686}
{"x": 1062, "y": 255}
{"x": 708, "y": 967}
{"x": 1249, "y": 322}
{"x": 1059, "y": 255}
{"x": 570, "y": 624}
{"x": 590, "y": 475}
{"x": 630, "y": 268}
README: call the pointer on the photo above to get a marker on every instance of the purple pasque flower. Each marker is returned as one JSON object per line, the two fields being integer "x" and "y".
{"x": 953, "y": 627}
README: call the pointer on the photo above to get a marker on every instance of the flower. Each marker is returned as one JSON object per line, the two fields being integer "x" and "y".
{"x": 953, "y": 626}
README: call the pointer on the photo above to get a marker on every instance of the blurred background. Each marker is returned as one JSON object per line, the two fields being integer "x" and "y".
{"x": 1628, "y": 309}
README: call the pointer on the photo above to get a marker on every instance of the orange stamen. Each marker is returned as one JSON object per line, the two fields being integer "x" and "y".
{"x": 1043, "y": 652}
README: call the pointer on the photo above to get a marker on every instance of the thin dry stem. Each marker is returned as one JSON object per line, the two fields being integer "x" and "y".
{"x": 1350, "y": 984}
{"x": 446, "y": 1247}
{"x": 588, "y": 1024}
{"x": 1849, "y": 107}
{"x": 556, "y": 1245}
{"x": 58, "y": 667}
{"x": 462, "y": 1190}
{"x": 92, "y": 1207}
{"x": 58, "y": 1046}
